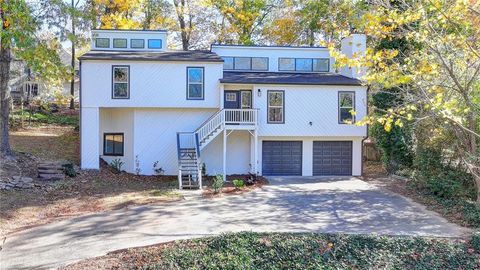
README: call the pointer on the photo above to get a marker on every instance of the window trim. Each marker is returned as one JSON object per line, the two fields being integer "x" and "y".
{"x": 105, "y": 134}
{"x": 283, "y": 107}
{"x": 203, "y": 83}
{"x": 143, "y": 43}
{"x": 152, "y": 39}
{"x": 113, "y": 81}
{"x": 302, "y": 71}
{"x": 339, "y": 108}
{"x": 96, "y": 43}
{"x": 126, "y": 43}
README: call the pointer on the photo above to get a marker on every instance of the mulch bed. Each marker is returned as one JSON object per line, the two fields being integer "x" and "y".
{"x": 229, "y": 189}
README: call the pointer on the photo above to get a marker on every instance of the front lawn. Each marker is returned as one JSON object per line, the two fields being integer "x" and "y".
{"x": 248, "y": 250}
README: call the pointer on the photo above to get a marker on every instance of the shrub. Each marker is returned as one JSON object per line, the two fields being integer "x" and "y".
{"x": 116, "y": 165}
{"x": 475, "y": 241}
{"x": 238, "y": 183}
{"x": 217, "y": 183}
{"x": 69, "y": 170}
{"x": 443, "y": 186}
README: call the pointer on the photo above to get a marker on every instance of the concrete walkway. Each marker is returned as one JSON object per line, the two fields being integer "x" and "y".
{"x": 289, "y": 204}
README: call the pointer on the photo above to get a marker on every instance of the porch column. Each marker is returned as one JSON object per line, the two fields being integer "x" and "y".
{"x": 90, "y": 138}
{"x": 255, "y": 152}
{"x": 224, "y": 154}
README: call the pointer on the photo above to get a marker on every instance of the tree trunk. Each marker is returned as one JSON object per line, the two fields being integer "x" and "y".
{"x": 72, "y": 81}
{"x": 180, "y": 7}
{"x": 4, "y": 100}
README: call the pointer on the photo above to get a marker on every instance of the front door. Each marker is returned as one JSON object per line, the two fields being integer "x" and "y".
{"x": 232, "y": 100}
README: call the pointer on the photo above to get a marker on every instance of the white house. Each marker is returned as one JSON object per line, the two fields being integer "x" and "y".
{"x": 269, "y": 110}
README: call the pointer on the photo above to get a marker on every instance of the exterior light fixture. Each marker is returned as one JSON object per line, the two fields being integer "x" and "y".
{"x": 259, "y": 92}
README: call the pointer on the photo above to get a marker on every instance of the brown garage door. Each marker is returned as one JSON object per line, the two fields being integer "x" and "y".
{"x": 332, "y": 158}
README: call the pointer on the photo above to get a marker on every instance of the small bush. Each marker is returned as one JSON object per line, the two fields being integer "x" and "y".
{"x": 116, "y": 165}
{"x": 443, "y": 186}
{"x": 217, "y": 183}
{"x": 475, "y": 241}
{"x": 69, "y": 170}
{"x": 238, "y": 183}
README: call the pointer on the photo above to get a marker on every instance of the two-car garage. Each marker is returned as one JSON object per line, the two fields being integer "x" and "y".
{"x": 325, "y": 157}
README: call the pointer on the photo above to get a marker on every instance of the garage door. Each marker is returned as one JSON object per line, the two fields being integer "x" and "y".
{"x": 282, "y": 158}
{"x": 332, "y": 158}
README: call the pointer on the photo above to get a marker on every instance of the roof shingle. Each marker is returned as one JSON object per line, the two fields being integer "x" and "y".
{"x": 287, "y": 78}
{"x": 188, "y": 56}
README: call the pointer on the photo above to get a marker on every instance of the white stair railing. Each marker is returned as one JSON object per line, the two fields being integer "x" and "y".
{"x": 210, "y": 126}
{"x": 241, "y": 116}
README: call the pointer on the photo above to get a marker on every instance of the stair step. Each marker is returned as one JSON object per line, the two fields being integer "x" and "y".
{"x": 51, "y": 176}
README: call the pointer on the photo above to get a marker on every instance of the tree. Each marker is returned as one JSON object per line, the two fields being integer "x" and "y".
{"x": 18, "y": 38}
{"x": 440, "y": 81}
{"x": 185, "y": 21}
{"x": 244, "y": 16}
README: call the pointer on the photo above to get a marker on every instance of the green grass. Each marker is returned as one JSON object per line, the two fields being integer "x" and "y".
{"x": 313, "y": 251}
{"x": 45, "y": 118}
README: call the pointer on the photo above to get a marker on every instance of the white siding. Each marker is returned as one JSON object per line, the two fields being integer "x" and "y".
{"x": 273, "y": 53}
{"x": 152, "y": 84}
{"x": 305, "y": 104}
{"x": 119, "y": 121}
{"x": 89, "y": 139}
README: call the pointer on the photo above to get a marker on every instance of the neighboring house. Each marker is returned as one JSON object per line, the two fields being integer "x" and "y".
{"x": 267, "y": 110}
{"x": 26, "y": 85}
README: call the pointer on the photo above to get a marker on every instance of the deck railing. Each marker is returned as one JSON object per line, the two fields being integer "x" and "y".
{"x": 241, "y": 116}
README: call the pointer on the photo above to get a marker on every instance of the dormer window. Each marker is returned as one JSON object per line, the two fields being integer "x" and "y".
{"x": 154, "y": 43}
{"x": 137, "y": 43}
{"x": 102, "y": 42}
{"x": 119, "y": 43}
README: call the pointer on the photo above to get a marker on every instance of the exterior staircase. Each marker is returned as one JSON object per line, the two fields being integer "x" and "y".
{"x": 190, "y": 144}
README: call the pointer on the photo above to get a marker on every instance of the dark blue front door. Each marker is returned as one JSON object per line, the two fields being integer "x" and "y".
{"x": 232, "y": 100}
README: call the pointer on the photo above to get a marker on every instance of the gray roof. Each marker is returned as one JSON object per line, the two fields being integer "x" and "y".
{"x": 188, "y": 56}
{"x": 287, "y": 78}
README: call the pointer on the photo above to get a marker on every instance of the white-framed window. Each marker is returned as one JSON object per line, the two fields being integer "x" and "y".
{"x": 276, "y": 107}
{"x": 120, "y": 82}
{"x": 195, "y": 83}
{"x": 346, "y": 105}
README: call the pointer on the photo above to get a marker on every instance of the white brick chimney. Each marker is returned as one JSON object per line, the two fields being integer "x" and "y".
{"x": 355, "y": 44}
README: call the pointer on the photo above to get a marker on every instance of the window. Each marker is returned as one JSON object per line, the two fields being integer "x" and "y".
{"x": 276, "y": 107}
{"x": 102, "y": 43}
{"x": 321, "y": 64}
{"x": 304, "y": 64}
{"x": 120, "y": 82}
{"x": 346, "y": 105}
{"x": 228, "y": 63}
{"x": 113, "y": 144}
{"x": 246, "y": 99}
{"x": 286, "y": 64}
{"x": 259, "y": 63}
{"x": 137, "y": 43}
{"x": 231, "y": 97}
{"x": 195, "y": 83}
{"x": 119, "y": 43}
{"x": 154, "y": 43}
{"x": 244, "y": 63}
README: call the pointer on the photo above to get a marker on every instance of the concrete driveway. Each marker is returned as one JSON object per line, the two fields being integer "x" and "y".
{"x": 289, "y": 204}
